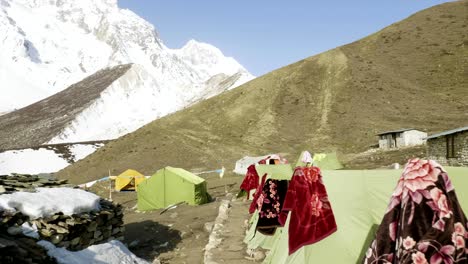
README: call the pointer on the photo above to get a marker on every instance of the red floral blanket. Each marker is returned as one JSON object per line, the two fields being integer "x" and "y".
{"x": 312, "y": 217}
{"x": 424, "y": 223}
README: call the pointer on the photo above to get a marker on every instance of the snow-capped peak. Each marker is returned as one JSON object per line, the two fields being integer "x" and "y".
{"x": 193, "y": 47}
{"x": 47, "y": 45}
{"x": 208, "y": 58}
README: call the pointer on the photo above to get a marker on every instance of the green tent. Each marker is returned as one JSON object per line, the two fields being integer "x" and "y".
{"x": 325, "y": 161}
{"x": 359, "y": 199}
{"x": 279, "y": 171}
{"x": 170, "y": 186}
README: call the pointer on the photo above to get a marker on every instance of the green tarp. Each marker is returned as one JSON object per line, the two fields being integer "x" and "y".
{"x": 279, "y": 171}
{"x": 325, "y": 161}
{"x": 170, "y": 186}
{"x": 255, "y": 239}
{"x": 359, "y": 199}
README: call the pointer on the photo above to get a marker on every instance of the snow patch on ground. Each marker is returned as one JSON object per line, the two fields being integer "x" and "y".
{"x": 111, "y": 252}
{"x": 30, "y": 161}
{"x": 30, "y": 230}
{"x": 80, "y": 151}
{"x": 49, "y": 201}
{"x": 42, "y": 160}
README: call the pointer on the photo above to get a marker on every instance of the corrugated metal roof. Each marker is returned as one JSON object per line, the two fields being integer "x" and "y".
{"x": 395, "y": 131}
{"x": 448, "y": 132}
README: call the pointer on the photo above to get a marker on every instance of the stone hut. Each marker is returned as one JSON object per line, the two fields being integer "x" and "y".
{"x": 449, "y": 147}
{"x": 401, "y": 138}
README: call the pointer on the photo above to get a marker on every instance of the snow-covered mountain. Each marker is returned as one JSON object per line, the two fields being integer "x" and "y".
{"x": 135, "y": 99}
{"x": 47, "y": 45}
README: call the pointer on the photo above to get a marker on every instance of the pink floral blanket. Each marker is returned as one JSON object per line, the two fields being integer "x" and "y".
{"x": 424, "y": 223}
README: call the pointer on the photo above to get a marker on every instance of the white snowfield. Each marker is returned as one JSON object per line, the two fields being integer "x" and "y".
{"x": 42, "y": 160}
{"x": 113, "y": 252}
{"x": 47, "y": 45}
{"x": 49, "y": 201}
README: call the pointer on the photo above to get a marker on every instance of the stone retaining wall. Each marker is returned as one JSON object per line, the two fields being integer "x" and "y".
{"x": 216, "y": 230}
{"x": 28, "y": 183}
{"x": 15, "y": 250}
{"x": 73, "y": 232}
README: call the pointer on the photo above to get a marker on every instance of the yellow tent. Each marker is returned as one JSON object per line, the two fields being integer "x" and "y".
{"x": 128, "y": 180}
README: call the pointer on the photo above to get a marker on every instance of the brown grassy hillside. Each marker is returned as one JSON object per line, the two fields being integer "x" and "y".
{"x": 410, "y": 74}
{"x": 38, "y": 123}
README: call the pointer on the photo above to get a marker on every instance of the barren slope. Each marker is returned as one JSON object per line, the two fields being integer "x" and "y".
{"x": 41, "y": 121}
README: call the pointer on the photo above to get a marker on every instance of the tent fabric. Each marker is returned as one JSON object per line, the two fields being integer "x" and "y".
{"x": 325, "y": 161}
{"x": 169, "y": 186}
{"x": 277, "y": 172}
{"x": 256, "y": 239}
{"x": 245, "y": 162}
{"x": 128, "y": 180}
{"x": 359, "y": 199}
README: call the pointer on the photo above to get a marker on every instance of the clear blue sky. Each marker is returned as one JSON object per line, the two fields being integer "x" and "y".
{"x": 265, "y": 35}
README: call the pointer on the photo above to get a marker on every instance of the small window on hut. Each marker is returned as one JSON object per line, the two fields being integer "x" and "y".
{"x": 451, "y": 147}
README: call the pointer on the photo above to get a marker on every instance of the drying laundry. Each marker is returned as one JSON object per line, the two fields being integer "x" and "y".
{"x": 269, "y": 203}
{"x": 424, "y": 222}
{"x": 312, "y": 217}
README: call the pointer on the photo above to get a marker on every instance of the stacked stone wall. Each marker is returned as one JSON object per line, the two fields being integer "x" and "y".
{"x": 437, "y": 150}
{"x": 73, "y": 232}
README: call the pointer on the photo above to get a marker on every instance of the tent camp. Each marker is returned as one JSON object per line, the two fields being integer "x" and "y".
{"x": 128, "y": 180}
{"x": 245, "y": 162}
{"x": 170, "y": 186}
{"x": 359, "y": 199}
{"x": 325, "y": 161}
